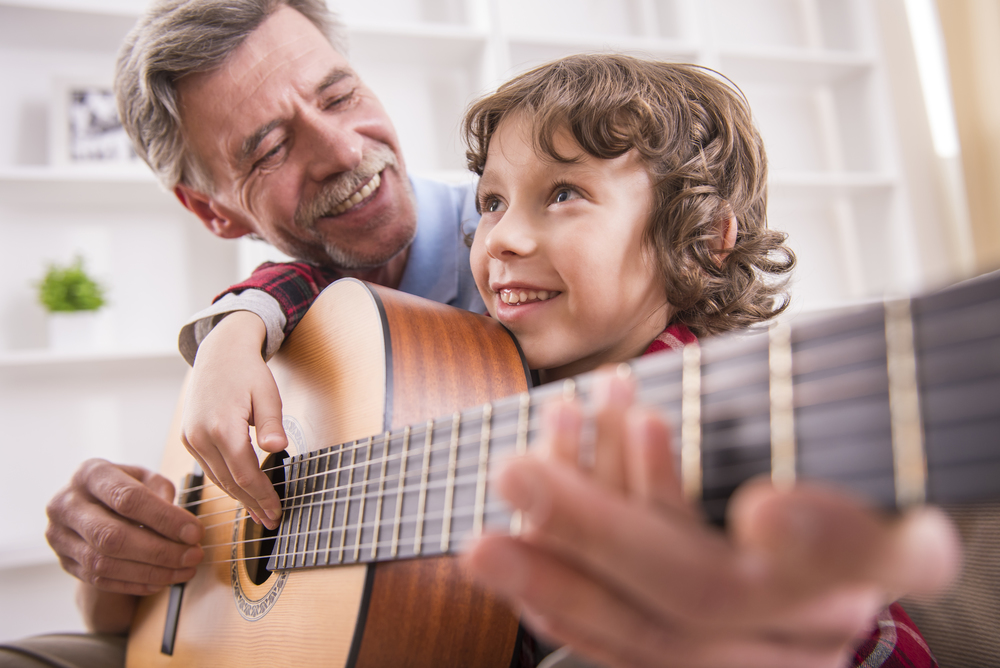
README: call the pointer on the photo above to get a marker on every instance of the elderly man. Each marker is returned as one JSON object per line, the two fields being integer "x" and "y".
{"x": 250, "y": 113}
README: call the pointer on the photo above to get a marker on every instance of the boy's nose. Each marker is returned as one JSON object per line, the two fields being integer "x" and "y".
{"x": 512, "y": 236}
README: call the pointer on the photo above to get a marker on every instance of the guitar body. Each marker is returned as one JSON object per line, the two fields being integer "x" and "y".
{"x": 362, "y": 361}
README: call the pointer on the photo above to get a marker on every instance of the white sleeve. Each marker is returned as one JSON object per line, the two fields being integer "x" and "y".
{"x": 201, "y": 323}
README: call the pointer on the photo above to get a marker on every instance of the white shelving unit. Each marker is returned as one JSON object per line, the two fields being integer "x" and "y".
{"x": 813, "y": 70}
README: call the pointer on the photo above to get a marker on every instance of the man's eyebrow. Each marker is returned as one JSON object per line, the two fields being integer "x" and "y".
{"x": 251, "y": 143}
{"x": 335, "y": 75}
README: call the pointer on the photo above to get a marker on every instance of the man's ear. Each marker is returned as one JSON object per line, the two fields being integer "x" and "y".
{"x": 725, "y": 237}
{"x": 209, "y": 212}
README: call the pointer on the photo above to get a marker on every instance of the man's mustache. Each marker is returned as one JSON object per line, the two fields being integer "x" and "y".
{"x": 342, "y": 186}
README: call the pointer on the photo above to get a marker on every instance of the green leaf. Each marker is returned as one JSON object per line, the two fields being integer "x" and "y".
{"x": 69, "y": 288}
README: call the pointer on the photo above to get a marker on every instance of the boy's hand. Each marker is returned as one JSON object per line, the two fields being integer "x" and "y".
{"x": 615, "y": 564}
{"x": 232, "y": 389}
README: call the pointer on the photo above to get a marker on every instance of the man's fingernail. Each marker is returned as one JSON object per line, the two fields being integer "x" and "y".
{"x": 191, "y": 557}
{"x": 190, "y": 533}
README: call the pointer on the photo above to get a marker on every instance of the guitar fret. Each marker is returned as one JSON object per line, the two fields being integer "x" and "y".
{"x": 364, "y": 494}
{"x": 521, "y": 447}
{"x": 333, "y": 509}
{"x": 418, "y": 539}
{"x": 484, "y": 457}
{"x": 449, "y": 489}
{"x": 310, "y": 486}
{"x": 381, "y": 490}
{"x": 347, "y": 502}
{"x": 281, "y": 553}
{"x": 399, "y": 492}
{"x": 297, "y": 505}
{"x": 569, "y": 389}
{"x": 908, "y": 456}
{"x": 691, "y": 474}
{"x": 779, "y": 357}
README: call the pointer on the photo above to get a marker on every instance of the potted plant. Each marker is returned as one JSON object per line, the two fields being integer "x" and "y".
{"x": 72, "y": 299}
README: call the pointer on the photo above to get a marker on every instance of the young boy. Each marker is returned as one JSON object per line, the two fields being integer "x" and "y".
{"x": 623, "y": 212}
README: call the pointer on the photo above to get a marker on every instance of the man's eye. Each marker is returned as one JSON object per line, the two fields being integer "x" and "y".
{"x": 337, "y": 101}
{"x": 268, "y": 157}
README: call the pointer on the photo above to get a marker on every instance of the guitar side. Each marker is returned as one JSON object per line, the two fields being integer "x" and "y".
{"x": 363, "y": 360}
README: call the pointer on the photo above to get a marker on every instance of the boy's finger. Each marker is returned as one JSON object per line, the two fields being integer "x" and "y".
{"x": 612, "y": 397}
{"x": 818, "y": 537}
{"x": 563, "y": 422}
{"x": 235, "y": 469}
{"x": 652, "y": 475}
{"x": 265, "y": 405}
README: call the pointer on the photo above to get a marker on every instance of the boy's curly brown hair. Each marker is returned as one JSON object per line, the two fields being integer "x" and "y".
{"x": 695, "y": 134}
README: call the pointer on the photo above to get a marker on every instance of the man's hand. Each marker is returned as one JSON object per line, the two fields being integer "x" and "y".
{"x": 615, "y": 564}
{"x": 115, "y": 527}
{"x": 232, "y": 389}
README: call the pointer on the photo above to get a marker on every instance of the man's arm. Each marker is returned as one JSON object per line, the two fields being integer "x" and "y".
{"x": 116, "y": 529}
{"x": 614, "y": 563}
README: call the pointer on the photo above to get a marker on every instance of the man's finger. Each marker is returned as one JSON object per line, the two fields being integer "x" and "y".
{"x": 125, "y": 495}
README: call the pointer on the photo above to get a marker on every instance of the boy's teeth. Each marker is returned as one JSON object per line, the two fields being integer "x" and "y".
{"x": 524, "y": 296}
{"x": 369, "y": 188}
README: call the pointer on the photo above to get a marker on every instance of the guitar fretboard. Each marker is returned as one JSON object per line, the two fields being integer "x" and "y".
{"x": 874, "y": 399}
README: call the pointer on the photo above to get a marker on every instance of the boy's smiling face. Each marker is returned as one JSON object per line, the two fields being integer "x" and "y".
{"x": 559, "y": 256}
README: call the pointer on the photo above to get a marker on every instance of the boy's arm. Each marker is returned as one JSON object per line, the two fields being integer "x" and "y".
{"x": 231, "y": 387}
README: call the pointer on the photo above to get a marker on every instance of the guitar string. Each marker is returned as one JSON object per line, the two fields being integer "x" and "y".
{"x": 467, "y": 479}
{"x": 472, "y": 460}
{"x": 432, "y": 539}
{"x": 650, "y": 396}
{"x": 441, "y": 443}
{"x": 645, "y": 370}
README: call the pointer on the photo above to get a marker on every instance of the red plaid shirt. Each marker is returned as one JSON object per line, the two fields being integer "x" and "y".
{"x": 894, "y": 641}
{"x": 295, "y": 286}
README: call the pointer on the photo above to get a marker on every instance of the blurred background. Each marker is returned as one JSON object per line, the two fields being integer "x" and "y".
{"x": 881, "y": 120}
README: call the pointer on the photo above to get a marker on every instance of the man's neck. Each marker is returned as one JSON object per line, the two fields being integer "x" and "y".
{"x": 389, "y": 274}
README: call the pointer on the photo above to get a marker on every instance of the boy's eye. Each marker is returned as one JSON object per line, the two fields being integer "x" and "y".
{"x": 564, "y": 195}
{"x": 492, "y": 205}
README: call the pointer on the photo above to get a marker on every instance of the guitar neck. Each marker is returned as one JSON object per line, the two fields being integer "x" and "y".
{"x": 895, "y": 401}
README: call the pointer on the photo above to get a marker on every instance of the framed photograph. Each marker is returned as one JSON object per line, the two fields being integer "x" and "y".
{"x": 84, "y": 126}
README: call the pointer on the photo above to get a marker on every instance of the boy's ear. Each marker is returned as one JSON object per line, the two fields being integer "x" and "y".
{"x": 210, "y": 213}
{"x": 724, "y": 238}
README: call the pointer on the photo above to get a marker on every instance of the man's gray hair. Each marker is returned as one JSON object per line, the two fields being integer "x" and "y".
{"x": 179, "y": 37}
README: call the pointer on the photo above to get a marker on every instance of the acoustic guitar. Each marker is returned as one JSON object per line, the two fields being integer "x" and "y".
{"x": 397, "y": 410}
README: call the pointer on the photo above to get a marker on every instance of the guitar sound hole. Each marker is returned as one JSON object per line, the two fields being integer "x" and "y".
{"x": 258, "y": 539}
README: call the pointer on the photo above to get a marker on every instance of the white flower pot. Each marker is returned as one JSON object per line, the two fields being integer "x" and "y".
{"x": 74, "y": 331}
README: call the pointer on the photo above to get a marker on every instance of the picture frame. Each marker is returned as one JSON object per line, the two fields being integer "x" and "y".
{"x": 84, "y": 129}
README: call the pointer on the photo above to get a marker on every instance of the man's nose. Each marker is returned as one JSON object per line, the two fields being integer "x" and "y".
{"x": 512, "y": 236}
{"x": 334, "y": 144}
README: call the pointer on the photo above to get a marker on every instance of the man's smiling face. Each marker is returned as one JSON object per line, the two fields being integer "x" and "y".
{"x": 298, "y": 150}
